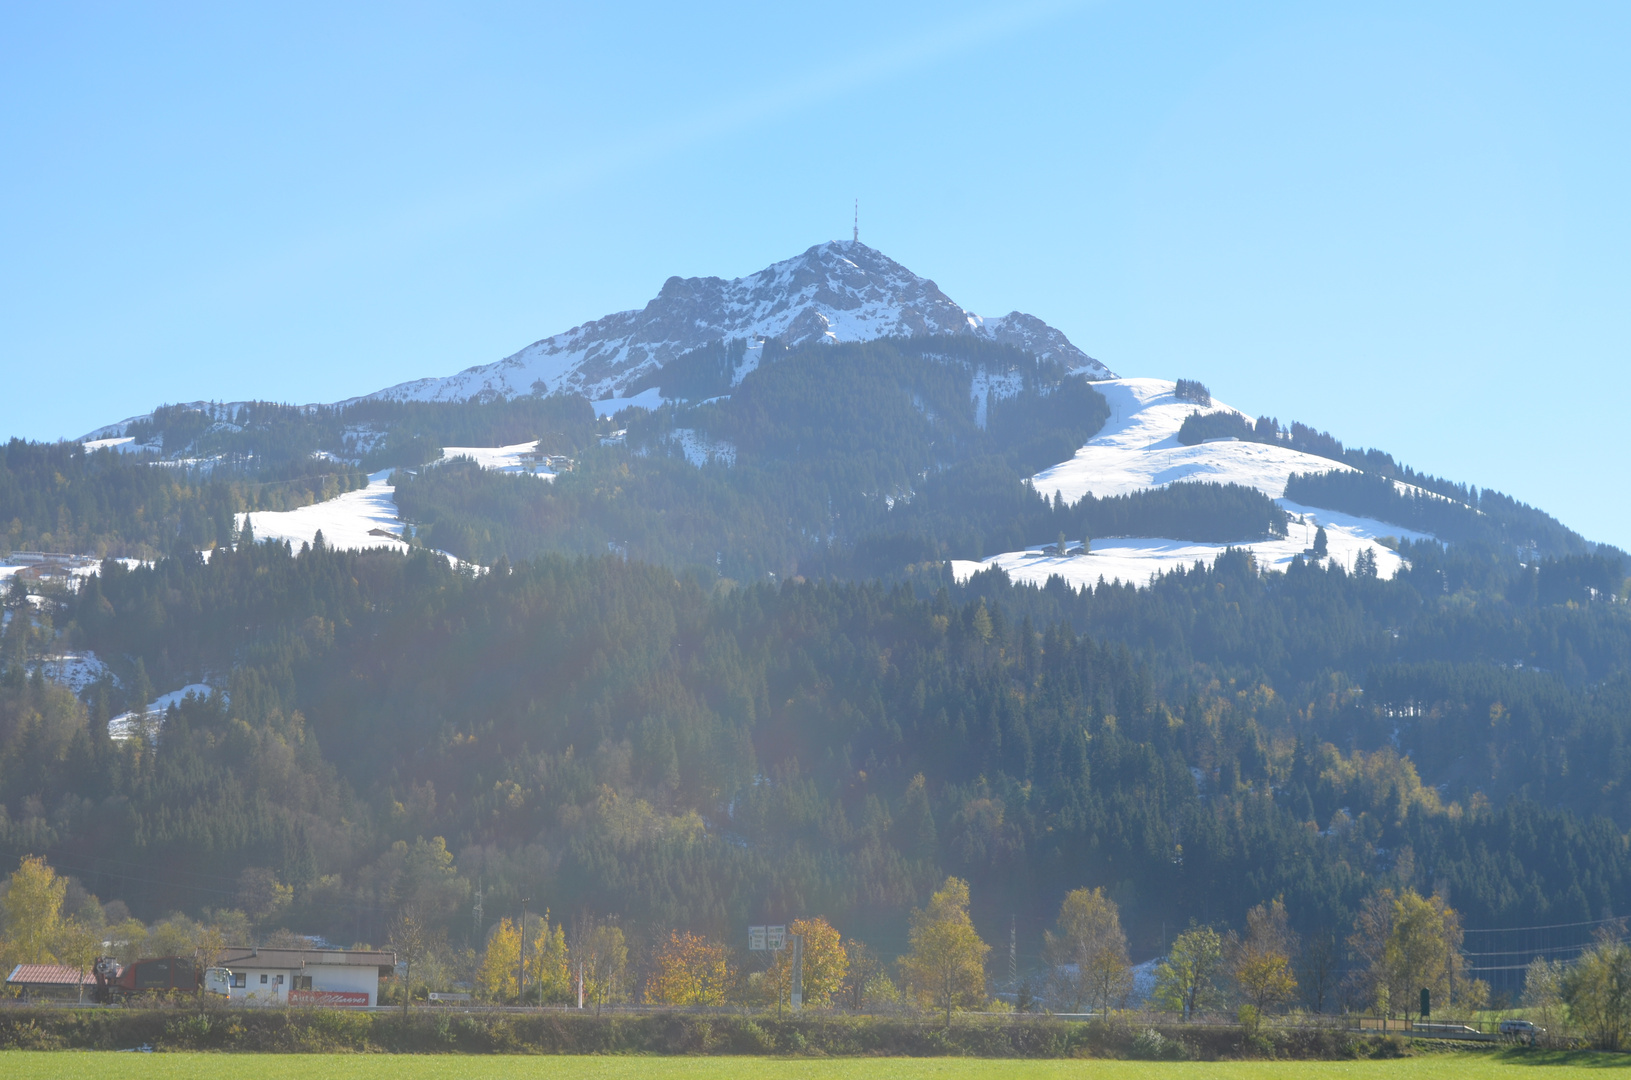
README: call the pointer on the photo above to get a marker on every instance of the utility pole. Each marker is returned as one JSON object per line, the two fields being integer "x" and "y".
{"x": 795, "y": 992}
{"x": 521, "y": 975}
{"x": 1013, "y": 951}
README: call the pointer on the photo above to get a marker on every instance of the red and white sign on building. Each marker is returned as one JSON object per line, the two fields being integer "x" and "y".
{"x": 328, "y": 998}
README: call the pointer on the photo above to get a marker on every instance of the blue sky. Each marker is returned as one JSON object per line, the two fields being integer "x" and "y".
{"x": 1403, "y": 223}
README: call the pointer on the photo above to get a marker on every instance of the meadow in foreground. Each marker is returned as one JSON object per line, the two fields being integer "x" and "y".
{"x": 47, "y": 1065}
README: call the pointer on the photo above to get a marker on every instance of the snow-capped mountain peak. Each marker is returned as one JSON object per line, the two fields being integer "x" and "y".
{"x": 837, "y": 291}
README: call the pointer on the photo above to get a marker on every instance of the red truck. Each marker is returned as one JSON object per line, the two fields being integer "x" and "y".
{"x": 158, "y": 974}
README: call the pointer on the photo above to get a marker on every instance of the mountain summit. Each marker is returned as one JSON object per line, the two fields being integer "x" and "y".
{"x": 837, "y": 291}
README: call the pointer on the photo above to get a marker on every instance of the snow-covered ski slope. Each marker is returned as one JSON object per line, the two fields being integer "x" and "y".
{"x": 367, "y": 518}
{"x": 838, "y": 291}
{"x": 355, "y": 521}
{"x": 1138, "y": 449}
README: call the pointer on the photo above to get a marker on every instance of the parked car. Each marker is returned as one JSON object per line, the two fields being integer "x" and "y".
{"x": 1527, "y": 1030}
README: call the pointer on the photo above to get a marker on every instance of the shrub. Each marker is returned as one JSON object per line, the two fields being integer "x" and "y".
{"x": 1151, "y": 1045}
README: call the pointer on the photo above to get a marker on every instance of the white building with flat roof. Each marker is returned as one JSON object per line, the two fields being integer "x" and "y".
{"x": 333, "y": 977}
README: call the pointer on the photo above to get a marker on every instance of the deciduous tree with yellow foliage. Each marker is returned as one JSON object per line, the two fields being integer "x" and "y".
{"x": 1087, "y": 958}
{"x": 1261, "y": 964}
{"x": 945, "y": 968}
{"x": 826, "y": 964}
{"x": 500, "y": 963}
{"x": 548, "y": 977}
{"x": 688, "y": 970}
{"x": 33, "y": 929}
{"x": 1408, "y": 942}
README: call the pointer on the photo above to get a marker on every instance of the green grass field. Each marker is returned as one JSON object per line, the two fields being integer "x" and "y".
{"x": 71, "y": 1065}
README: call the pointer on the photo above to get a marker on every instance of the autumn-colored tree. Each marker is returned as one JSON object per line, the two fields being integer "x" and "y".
{"x": 1187, "y": 981}
{"x": 548, "y": 978}
{"x": 32, "y": 910}
{"x": 1087, "y": 958}
{"x": 500, "y": 961}
{"x": 1261, "y": 964}
{"x": 33, "y": 929}
{"x": 945, "y": 967}
{"x": 1408, "y": 942}
{"x": 825, "y": 962}
{"x": 688, "y": 970}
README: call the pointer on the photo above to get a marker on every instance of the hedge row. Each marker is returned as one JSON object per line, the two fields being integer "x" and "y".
{"x": 445, "y": 1031}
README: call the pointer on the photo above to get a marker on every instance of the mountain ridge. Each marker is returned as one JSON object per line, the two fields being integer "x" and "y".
{"x": 835, "y": 291}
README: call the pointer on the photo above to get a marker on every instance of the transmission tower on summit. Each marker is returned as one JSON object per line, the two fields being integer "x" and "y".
{"x": 857, "y": 236}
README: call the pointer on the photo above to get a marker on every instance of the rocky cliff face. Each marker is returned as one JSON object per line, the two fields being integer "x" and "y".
{"x": 838, "y": 291}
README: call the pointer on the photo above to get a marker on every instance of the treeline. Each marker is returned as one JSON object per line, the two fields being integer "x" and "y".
{"x": 203, "y": 465}
{"x": 1491, "y": 519}
{"x": 703, "y": 372}
{"x": 59, "y": 497}
{"x": 1461, "y": 513}
{"x": 259, "y": 437}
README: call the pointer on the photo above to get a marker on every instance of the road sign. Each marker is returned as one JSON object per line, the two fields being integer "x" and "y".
{"x": 756, "y": 938}
{"x": 776, "y": 937}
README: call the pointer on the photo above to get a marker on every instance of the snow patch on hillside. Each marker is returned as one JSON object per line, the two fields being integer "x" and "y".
{"x": 649, "y": 398}
{"x": 699, "y": 449}
{"x": 147, "y": 722}
{"x": 1137, "y": 560}
{"x": 504, "y": 459}
{"x": 125, "y": 444}
{"x": 988, "y": 386}
{"x": 75, "y": 670}
{"x": 355, "y": 521}
{"x": 1138, "y": 449}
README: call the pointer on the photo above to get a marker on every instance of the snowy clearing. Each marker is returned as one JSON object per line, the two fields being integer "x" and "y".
{"x": 1136, "y": 560}
{"x": 699, "y": 449}
{"x": 133, "y": 724}
{"x": 1139, "y": 450}
{"x": 75, "y": 670}
{"x": 125, "y": 445}
{"x": 504, "y": 459}
{"x": 355, "y": 521}
{"x": 987, "y": 386}
{"x": 650, "y": 398}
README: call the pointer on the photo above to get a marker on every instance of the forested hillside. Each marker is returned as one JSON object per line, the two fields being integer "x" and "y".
{"x": 60, "y": 497}
{"x": 604, "y": 737}
{"x": 842, "y": 460}
{"x": 717, "y": 670}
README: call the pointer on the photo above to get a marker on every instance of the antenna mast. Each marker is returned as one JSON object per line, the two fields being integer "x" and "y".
{"x": 857, "y": 221}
